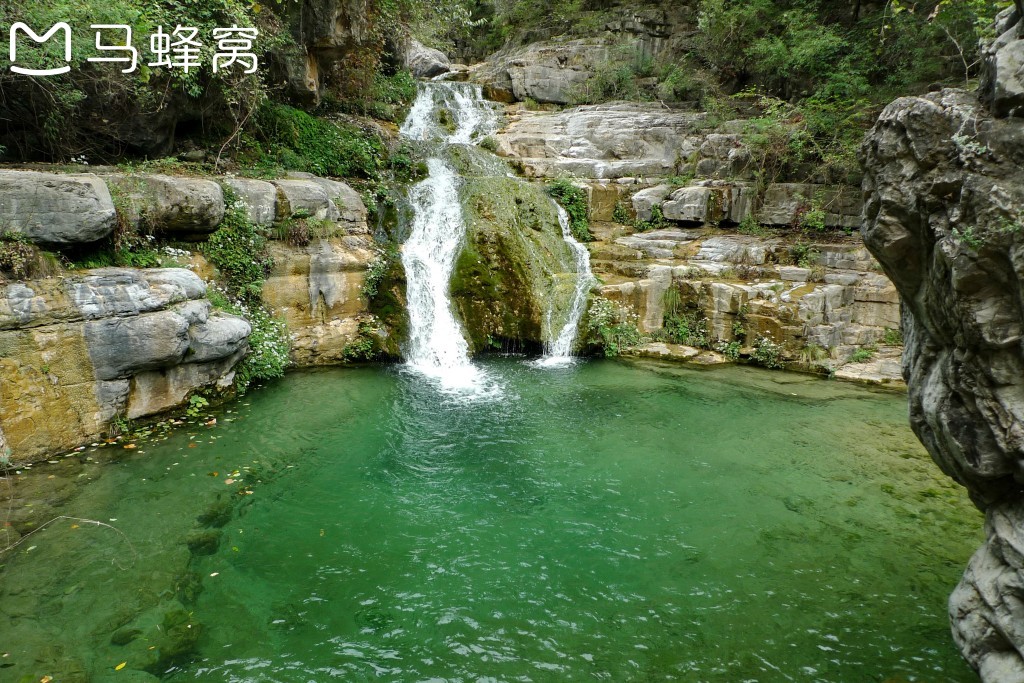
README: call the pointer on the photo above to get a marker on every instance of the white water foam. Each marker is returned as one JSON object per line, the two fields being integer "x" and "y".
{"x": 437, "y": 348}
{"x": 559, "y": 350}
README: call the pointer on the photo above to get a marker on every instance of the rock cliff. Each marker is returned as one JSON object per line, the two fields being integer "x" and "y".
{"x": 83, "y": 348}
{"x": 945, "y": 217}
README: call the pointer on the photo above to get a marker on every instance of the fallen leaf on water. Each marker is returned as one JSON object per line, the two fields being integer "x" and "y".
{"x": 74, "y": 526}
{"x": 211, "y": 422}
{"x": 229, "y": 481}
{"x": 130, "y": 446}
{"x": 322, "y": 532}
{"x": 46, "y": 679}
{"x": 193, "y": 445}
{"x": 214, "y": 573}
{"x": 214, "y": 474}
{"x": 120, "y": 666}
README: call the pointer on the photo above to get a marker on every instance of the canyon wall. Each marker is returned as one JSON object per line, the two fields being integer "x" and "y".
{"x": 945, "y": 218}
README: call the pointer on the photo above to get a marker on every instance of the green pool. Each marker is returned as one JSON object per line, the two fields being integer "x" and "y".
{"x": 606, "y": 521}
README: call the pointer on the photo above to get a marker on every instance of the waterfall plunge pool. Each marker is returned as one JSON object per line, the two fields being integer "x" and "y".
{"x": 602, "y": 521}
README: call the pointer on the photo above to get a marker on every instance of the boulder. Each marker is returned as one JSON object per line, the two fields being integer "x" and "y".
{"x": 351, "y": 209}
{"x": 121, "y": 347}
{"x": 425, "y": 62}
{"x": 545, "y": 72}
{"x": 107, "y": 292}
{"x": 644, "y": 201}
{"x": 690, "y": 205}
{"x": 185, "y": 208}
{"x": 304, "y": 197}
{"x": 56, "y": 210}
{"x": 259, "y": 198}
{"x": 220, "y": 336}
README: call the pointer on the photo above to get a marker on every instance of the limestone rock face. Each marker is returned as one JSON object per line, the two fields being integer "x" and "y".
{"x": 325, "y": 33}
{"x": 56, "y": 209}
{"x": 74, "y": 353}
{"x": 602, "y": 141}
{"x": 322, "y": 199}
{"x": 425, "y": 62}
{"x": 945, "y": 218}
{"x": 259, "y": 197}
{"x": 183, "y": 207}
{"x": 1003, "y": 66}
{"x": 317, "y": 289}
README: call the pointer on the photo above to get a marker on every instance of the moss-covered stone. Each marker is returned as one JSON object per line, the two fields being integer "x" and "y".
{"x": 506, "y": 277}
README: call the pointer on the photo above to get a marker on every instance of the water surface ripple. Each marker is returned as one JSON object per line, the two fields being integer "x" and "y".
{"x": 602, "y": 521}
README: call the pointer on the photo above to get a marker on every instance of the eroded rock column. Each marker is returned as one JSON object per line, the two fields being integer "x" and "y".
{"x": 944, "y": 215}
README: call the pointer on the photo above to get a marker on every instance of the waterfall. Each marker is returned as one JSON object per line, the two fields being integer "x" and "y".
{"x": 437, "y": 347}
{"x": 448, "y": 114}
{"x": 559, "y": 349}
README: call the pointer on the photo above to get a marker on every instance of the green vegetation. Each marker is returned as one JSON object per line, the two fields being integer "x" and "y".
{"x": 377, "y": 271}
{"x": 363, "y": 347}
{"x": 239, "y": 253}
{"x": 768, "y": 353}
{"x": 51, "y": 113}
{"x": 291, "y": 139}
{"x": 968, "y": 237}
{"x": 16, "y": 255}
{"x": 607, "y": 328}
{"x": 804, "y": 254}
{"x": 574, "y": 200}
{"x": 863, "y": 355}
{"x": 893, "y": 337}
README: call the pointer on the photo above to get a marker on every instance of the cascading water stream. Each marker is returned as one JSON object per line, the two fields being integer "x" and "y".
{"x": 559, "y": 350}
{"x": 437, "y": 347}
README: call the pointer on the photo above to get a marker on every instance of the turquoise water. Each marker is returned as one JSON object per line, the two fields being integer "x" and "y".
{"x": 607, "y": 521}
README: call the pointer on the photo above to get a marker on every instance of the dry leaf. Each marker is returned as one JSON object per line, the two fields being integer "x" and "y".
{"x": 120, "y": 666}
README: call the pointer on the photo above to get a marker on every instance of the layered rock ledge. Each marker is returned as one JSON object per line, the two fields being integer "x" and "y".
{"x": 84, "y": 348}
{"x": 945, "y": 217}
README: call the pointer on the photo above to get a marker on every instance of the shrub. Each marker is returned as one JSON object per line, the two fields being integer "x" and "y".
{"x": 863, "y": 355}
{"x": 239, "y": 252}
{"x": 574, "y": 200}
{"x": 768, "y": 353}
{"x": 607, "y": 329}
{"x": 893, "y": 337}
{"x": 378, "y": 269}
{"x": 268, "y": 349}
{"x": 300, "y": 142}
{"x": 16, "y": 255}
{"x": 490, "y": 144}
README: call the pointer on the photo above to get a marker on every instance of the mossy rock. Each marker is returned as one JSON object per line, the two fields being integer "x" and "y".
{"x": 508, "y": 273}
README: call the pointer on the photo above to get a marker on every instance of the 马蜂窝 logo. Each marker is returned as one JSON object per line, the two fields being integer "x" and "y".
{"x": 181, "y": 48}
